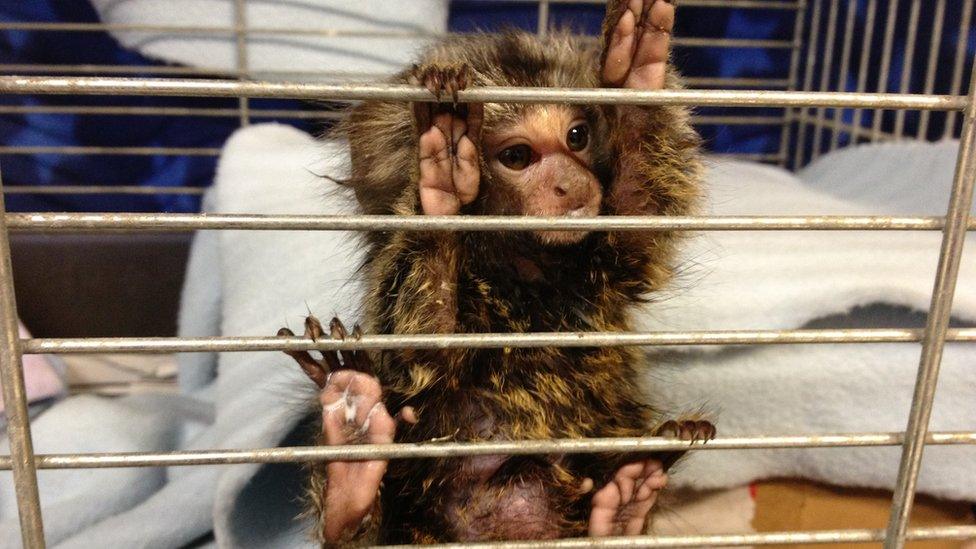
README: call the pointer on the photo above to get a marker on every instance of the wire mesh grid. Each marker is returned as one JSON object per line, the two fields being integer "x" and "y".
{"x": 828, "y": 127}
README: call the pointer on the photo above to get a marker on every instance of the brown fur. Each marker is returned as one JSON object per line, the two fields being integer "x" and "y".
{"x": 476, "y": 282}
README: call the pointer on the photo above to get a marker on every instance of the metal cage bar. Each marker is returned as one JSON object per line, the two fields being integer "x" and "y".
{"x": 937, "y": 325}
{"x": 932, "y": 63}
{"x": 845, "y": 64}
{"x": 828, "y": 60}
{"x": 484, "y": 340}
{"x": 388, "y": 92}
{"x": 885, "y": 70}
{"x": 135, "y": 222}
{"x": 801, "y": 134}
{"x": 862, "y": 71}
{"x": 15, "y": 403}
{"x": 906, "y": 67}
{"x": 965, "y": 18}
{"x": 240, "y": 39}
{"x": 439, "y": 449}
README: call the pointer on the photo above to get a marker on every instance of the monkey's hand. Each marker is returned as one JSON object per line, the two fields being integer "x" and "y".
{"x": 637, "y": 41}
{"x": 450, "y": 171}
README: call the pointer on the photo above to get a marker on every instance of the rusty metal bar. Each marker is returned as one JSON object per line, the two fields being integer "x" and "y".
{"x": 845, "y": 65}
{"x": 862, "y": 72}
{"x": 965, "y": 17}
{"x": 592, "y": 96}
{"x": 165, "y": 222}
{"x": 828, "y": 61}
{"x": 101, "y": 189}
{"x": 72, "y": 222}
{"x": 906, "y": 67}
{"x": 799, "y": 155}
{"x": 884, "y": 71}
{"x": 21, "y": 459}
{"x": 132, "y": 151}
{"x": 789, "y": 115}
{"x": 302, "y": 454}
{"x": 240, "y": 38}
{"x": 482, "y": 341}
{"x": 932, "y": 65}
{"x": 937, "y": 326}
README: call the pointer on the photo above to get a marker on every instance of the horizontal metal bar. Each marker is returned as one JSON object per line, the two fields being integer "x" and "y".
{"x": 732, "y": 43}
{"x": 163, "y": 222}
{"x": 333, "y": 33}
{"x": 706, "y": 120}
{"x": 292, "y": 113}
{"x": 303, "y": 454}
{"x": 733, "y": 82}
{"x": 100, "y": 189}
{"x": 340, "y": 92}
{"x": 724, "y": 540}
{"x": 481, "y": 340}
{"x": 167, "y": 111}
{"x": 133, "y": 151}
{"x": 755, "y": 157}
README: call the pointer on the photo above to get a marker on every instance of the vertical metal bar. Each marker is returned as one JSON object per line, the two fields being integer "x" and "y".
{"x": 825, "y": 75}
{"x": 884, "y": 71}
{"x": 801, "y": 136}
{"x": 240, "y": 32}
{"x": 15, "y": 401}
{"x": 862, "y": 71}
{"x": 543, "y": 27}
{"x": 932, "y": 64}
{"x": 906, "y": 67}
{"x": 789, "y": 115}
{"x": 960, "y": 60}
{"x": 845, "y": 65}
{"x": 933, "y": 341}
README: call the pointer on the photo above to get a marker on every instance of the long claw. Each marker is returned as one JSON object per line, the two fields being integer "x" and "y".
{"x": 313, "y": 328}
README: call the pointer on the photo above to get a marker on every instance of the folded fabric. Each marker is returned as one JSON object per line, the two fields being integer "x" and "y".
{"x": 357, "y": 37}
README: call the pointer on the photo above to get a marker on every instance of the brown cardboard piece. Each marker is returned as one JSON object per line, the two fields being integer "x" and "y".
{"x": 783, "y": 505}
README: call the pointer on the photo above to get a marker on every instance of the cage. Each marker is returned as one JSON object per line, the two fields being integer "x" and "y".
{"x": 851, "y": 72}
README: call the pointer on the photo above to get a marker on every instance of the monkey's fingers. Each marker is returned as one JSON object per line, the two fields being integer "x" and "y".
{"x": 338, "y": 331}
{"x": 309, "y": 365}
{"x": 619, "y": 48}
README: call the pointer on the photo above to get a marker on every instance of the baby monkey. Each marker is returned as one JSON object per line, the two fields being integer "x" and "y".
{"x": 537, "y": 160}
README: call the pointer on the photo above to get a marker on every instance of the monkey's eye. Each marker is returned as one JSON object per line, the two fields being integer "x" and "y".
{"x": 516, "y": 157}
{"x": 578, "y": 137}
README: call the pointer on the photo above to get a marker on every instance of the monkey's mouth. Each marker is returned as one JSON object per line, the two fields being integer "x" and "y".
{"x": 567, "y": 238}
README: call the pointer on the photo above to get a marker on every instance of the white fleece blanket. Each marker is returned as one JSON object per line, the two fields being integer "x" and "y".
{"x": 290, "y": 51}
{"x": 251, "y": 283}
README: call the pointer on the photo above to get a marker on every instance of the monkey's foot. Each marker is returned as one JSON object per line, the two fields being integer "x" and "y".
{"x": 449, "y": 138}
{"x": 621, "y": 508}
{"x": 637, "y": 45}
{"x": 319, "y": 371}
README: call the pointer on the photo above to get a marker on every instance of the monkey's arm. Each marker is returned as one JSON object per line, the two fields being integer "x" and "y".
{"x": 653, "y": 150}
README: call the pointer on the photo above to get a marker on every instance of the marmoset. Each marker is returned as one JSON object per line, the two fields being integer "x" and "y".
{"x": 449, "y": 158}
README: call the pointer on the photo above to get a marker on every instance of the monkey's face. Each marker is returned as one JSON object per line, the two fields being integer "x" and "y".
{"x": 543, "y": 161}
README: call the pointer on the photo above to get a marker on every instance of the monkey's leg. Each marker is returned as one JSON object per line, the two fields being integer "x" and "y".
{"x": 621, "y": 508}
{"x": 352, "y": 413}
{"x": 449, "y": 139}
{"x": 638, "y": 44}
